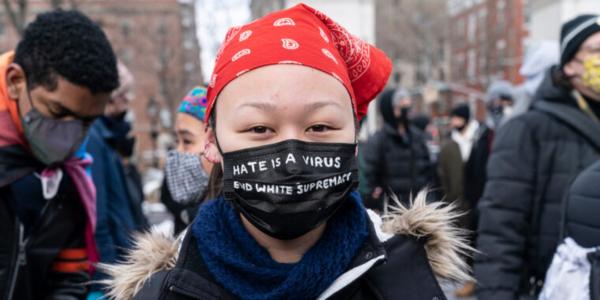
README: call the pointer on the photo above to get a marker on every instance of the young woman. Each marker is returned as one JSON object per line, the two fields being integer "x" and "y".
{"x": 187, "y": 171}
{"x": 286, "y": 95}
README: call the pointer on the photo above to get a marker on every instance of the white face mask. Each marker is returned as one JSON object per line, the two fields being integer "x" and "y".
{"x": 507, "y": 111}
{"x": 186, "y": 178}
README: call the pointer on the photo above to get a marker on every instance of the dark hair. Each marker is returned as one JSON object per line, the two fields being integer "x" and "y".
{"x": 70, "y": 45}
{"x": 560, "y": 79}
{"x": 215, "y": 183}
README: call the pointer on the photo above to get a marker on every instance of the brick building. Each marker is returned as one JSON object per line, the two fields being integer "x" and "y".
{"x": 486, "y": 41}
{"x": 157, "y": 41}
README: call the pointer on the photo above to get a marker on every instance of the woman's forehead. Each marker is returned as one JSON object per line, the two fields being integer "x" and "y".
{"x": 277, "y": 86}
{"x": 184, "y": 121}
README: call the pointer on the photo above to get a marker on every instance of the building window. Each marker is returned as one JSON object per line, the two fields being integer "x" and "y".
{"x": 188, "y": 45}
{"x": 188, "y": 67}
{"x": 528, "y": 11}
{"x": 501, "y": 5}
{"x": 471, "y": 64}
{"x": 2, "y": 29}
{"x": 127, "y": 56}
{"x": 482, "y": 64}
{"x": 459, "y": 66}
{"x": 482, "y": 23}
{"x": 186, "y": 20}
{"x": 501, "y": 13}
{"x": 500, "y": 44}
{"x": 472, "y": 29}
{"x": 501, "y": 52}
{"x": 460, "y": 28}
{"x": 126, "y": 29}
{"x": 162, "y": 29}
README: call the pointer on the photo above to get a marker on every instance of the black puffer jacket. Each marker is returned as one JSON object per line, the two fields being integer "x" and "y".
{"x": 534, "y": 158}
{"x": 582, "y": 208}
{"x": 400, "y": 163}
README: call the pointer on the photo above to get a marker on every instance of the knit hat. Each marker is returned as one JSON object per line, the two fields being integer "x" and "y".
{"x": 399, "y": 95}
{"x": 499, "y": 89}
{"x": 194, "y": 103}
{"x": 461, "y": 111}
{"x": 301, "y": 35}
{"x": 574, "y": 33}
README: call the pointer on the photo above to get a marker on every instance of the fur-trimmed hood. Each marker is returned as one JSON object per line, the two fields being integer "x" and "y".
{"x": 446, "y": 246}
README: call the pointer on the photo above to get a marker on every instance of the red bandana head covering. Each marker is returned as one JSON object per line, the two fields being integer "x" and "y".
{"x": 304, "y": 36}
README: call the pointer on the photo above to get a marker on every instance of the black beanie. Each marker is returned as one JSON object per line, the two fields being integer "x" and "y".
{"x": 461, "y": 111}
{"x": 574, "y": 33}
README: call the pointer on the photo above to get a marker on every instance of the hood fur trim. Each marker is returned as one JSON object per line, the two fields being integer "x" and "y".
{"x": 152, "y": 252}
{"x": 447, "y": 245}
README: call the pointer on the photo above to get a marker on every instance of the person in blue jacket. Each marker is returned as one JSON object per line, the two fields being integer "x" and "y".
{"x": 115, "y": 211}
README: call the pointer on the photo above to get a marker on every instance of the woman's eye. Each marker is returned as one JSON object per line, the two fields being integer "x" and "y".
{"x": 259, "y": 129}
{"x": 187, "y": 142}
{"x": 319, "y": 128}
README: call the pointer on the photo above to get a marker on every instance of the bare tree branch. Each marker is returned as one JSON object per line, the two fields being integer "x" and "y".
{"x": 17, "y": 18}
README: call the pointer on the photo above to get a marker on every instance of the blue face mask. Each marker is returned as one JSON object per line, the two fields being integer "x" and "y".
{"x": 52, "y": 141}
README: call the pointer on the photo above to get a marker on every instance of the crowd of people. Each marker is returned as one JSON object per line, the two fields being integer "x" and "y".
{"x": 263, "y": 182}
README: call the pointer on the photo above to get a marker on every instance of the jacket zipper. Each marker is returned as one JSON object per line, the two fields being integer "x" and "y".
{"x": 184, "y": 292}
{"x": 22, "y": 247}
{"x": 21, "y": 259}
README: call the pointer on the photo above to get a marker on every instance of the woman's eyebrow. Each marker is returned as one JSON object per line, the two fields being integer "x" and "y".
{"x": 267, "y": 106}
{"x": 185, "y": 132}
{"x": 316, "y": 105}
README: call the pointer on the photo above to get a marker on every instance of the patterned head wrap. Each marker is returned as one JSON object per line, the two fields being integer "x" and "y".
{"x": 304, "y": 36}
{"x": 194, "y": 103}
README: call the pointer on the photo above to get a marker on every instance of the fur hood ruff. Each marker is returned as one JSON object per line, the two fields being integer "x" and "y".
{"x": 446, "y": 246}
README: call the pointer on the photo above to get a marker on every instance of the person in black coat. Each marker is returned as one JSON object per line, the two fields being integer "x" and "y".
{"x": 581, "y": 222}
{"x": 582, "y": 208}
{"x": 534, "y": 158}
{"x": 396, "y": 158}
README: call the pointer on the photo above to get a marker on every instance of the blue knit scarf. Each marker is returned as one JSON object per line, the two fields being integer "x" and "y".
{"x": 245, "y": 269}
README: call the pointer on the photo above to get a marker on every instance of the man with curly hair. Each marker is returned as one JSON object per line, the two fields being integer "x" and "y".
{"x": 52, "y": 87}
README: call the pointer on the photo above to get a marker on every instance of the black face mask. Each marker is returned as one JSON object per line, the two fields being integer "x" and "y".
{"x": 460, "y": 128}
{"x": 289, "y": 188}
{"x": 120, "y": 129}
{"x": 403, "y": 118}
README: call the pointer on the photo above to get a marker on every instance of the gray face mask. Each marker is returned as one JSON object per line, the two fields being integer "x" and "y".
{"x": 52, "y": 141}
{"x": 186, "y": 178}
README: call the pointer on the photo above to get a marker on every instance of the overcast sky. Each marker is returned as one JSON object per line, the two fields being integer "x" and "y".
{"x": 213, "y": 18}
